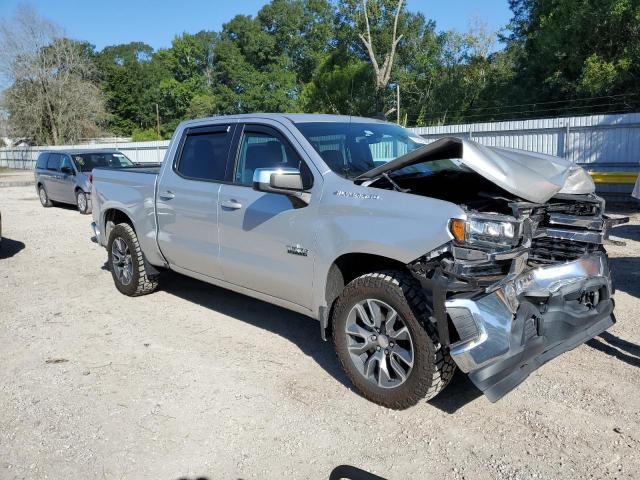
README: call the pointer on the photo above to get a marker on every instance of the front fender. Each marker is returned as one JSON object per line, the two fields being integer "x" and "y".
{"x": 395, "y": 225}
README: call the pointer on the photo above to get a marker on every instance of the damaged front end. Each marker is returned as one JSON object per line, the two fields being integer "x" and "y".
{"x": 525, "y": 276}
{"x": 511, "y": 292}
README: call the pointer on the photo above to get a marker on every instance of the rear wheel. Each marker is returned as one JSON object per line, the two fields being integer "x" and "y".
{"x": 44, "y": 198}
{"x": 127, "y": 262}
{"x": 385, "y": 343}
{"x": 82, "y": 202}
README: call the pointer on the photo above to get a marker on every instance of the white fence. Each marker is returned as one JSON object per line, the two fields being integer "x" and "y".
{"x": 600, "y": 142}
{"x": 143, "y": 152}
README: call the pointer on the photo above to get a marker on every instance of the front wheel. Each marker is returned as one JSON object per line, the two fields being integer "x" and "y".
{"x": 82, "y": 202}
{"x": 127, "y": 262}
{"x": 385, "y": 342}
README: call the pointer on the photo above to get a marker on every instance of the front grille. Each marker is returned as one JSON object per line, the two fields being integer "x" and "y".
{"x": 554, "y": 250}
{"x": 579, "y": 209}
{"x": 488, "y": 272}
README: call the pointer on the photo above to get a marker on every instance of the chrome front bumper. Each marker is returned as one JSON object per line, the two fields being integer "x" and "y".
{"x": 540, "y": 314}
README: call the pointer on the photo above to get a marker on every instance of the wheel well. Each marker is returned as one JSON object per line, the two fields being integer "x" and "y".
{"x": 113, "y": 217}
{"x": 348, "y": 267}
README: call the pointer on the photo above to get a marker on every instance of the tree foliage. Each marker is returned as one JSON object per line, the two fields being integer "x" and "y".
{"x": 334, "y": 56}
{"x": 52, "y": 97}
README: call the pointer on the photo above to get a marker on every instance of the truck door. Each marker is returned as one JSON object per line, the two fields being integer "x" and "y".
{"x": 266, "y": 238}
{"x": 187, "y": 200}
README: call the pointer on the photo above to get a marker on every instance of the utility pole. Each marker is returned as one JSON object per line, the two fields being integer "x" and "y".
{"x": 398, "y": 102}
{"x": 158, "y": 121}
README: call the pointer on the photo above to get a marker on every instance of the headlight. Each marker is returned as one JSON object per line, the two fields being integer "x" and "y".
{"x": 479, "y": 230}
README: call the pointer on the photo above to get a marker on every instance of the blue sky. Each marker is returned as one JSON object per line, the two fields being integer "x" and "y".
{"x": 156, "y": 22}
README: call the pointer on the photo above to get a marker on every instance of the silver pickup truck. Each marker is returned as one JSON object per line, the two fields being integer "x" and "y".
{"x": 416, "y": 258}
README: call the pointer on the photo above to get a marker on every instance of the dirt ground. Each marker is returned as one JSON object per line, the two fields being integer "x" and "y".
{"x": 195, "y": 381}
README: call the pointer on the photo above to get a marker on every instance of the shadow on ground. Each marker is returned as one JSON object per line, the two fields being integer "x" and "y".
{"x": 9, "y": 248}
{"x": 298, "y": 329}
{"x": 626, "y": 274}
{"x": 617, "y": 347}
{"x": 458, "y": 393}
{"x": 627, "y": 231}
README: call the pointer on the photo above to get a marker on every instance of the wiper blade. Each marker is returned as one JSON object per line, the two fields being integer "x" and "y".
{"x": 395, "y": 186}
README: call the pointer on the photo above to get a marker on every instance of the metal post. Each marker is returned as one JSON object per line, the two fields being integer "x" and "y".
{"x": 566, "y": 141}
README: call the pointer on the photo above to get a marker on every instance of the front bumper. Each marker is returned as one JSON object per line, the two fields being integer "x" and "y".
{"x": 542, "y": 313}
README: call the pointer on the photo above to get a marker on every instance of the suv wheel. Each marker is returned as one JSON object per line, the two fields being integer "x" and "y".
{"x": 82, "y": 202}
{"x": 44, "y": 198}
{"x": 385, "y": 343}
{"x": 127, "y": 262}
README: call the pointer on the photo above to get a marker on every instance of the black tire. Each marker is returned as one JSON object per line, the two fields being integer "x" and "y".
{"x": 140, "y": 282}
{"x": 432, "y": 367}
{"x": 44, "y": 197}
{"x": 82, "y": 202}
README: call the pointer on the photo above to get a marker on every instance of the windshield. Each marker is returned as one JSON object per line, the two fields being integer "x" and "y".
{"x": 351, "y": 149}
{"x": 85, "y": 162}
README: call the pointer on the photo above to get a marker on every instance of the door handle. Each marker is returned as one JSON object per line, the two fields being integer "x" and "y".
{"x": 168, "y": 195}
{"x": 231, "y": 204}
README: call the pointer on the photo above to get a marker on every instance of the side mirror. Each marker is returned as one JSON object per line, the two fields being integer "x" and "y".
{"x": 277, "y": 180}
{"x": 67, "y": 170}
{"x": 286, "y": 181}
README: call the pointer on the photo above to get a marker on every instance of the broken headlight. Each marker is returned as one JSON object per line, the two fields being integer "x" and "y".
{"x": 486, "y": 229}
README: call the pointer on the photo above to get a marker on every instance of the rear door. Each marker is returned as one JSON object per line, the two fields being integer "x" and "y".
{"x": 67, "y": 179}
{"x": 187, "y": 199}
{"x": 265, "y": 238}
{"x": 51, "y": 177}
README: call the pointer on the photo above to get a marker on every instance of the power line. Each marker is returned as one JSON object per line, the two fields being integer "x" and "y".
{"x": 504, "y": 107}
{"x": 577, "y": 107}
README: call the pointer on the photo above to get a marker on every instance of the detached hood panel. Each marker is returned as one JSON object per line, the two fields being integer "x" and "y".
{"x": 535, "y": 177}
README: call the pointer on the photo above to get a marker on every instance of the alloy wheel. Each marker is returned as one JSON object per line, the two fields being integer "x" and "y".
{"x": 121, "y": 261}
{"x": 82, "y": 202}
{"x": 379, "y": 343}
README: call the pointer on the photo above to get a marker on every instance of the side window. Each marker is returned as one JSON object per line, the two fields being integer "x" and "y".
{"x": 204, "y": 155}
{"x": 53, "y": 163}
{"x": 263, "y": 150}
{"x": 66, "y": 162}
{"x": 42, "y": 161}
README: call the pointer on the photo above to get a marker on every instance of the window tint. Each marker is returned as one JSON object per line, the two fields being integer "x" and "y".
{"x": 66, "y": 162}
{"x": 204, "y": 156}
{"x": 53, "y": 163}
{"x": 261, "y": 150}
{"x": 85, "y": 162}
{"x": 42, "y": 161}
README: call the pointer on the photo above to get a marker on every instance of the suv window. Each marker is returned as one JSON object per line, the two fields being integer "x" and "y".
{"x": 265, "y": 150}
{"x": 66, "y": 162}
{"x": 53, "y": 163}
{"x": 204, "y": 154}
{"x": 42, "y": 161}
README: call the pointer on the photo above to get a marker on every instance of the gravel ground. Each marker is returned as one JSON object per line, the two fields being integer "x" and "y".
{"x": 195, "y": 381}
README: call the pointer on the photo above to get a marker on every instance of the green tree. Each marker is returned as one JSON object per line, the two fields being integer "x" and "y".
{"x": 131, "y": 81}
{"x": 577, "y": 48}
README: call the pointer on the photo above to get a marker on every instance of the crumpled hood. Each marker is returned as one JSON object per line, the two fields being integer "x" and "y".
{"x": 535, "y": 177}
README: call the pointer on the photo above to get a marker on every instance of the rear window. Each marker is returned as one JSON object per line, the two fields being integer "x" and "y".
{"x": 204, "y": 156}
{"x": 42, "y": 161}
{"x": 53, "y": 162}
{"x": 85, "y": 162}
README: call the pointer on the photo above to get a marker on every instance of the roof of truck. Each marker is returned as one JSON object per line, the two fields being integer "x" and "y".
{"x": 292, "y": 117}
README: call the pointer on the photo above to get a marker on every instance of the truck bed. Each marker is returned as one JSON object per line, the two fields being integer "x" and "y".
{"x": 130, "y": 190}
{"x": 152, "y": 168}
